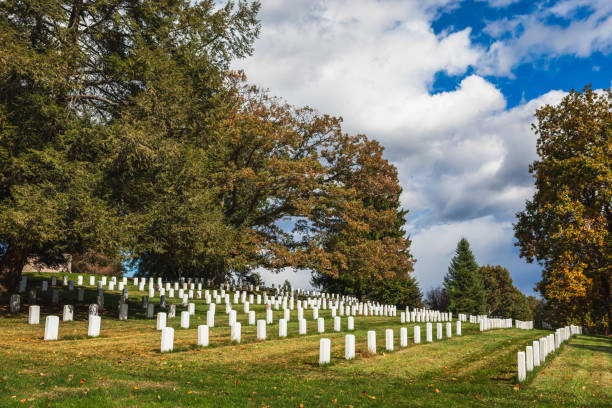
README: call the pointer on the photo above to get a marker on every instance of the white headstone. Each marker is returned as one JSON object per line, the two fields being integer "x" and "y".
{"x": 68, "y": 314}
{"x": 251, "y": 317}
{"x": 529, "y": 358}
{"x": 428, "y": 332}
{"x": 51, "y": 327}
{"x": 203, "y": 335}
{"x": 324, "y": 351}
{"x": 439, "y": 331}
{"x": 161, "y": 320}
{"x": 261, "y": 330}
{"x": 302, "y": 326}
{"x": 232, "y": 317}
{"x": 349, "y": 346}
{"x": 522, "y": 374}
{"x": 185, "y": 319}
{"x": 34, "y": 314}
{"x": 337, "y": 324}
{"x": 536, "y": 353}
{"x": 543, "y": 350}
{"x": 93, "y": 329}
{"x": 236, "y": 332}
{"x": 321, "y": 325}
{"x": 417, "y": 334}
{"x": 389, "y": 339}
{"x": 372, "y": 341}
{"x": 167, "y": 338}
{"x": 210, "y": 317}
{"x": 191, "y": 308}
{"x": 282, "y": 328}
{"x": 403, "y": 337}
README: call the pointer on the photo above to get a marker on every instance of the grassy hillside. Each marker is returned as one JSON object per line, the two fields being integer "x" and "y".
{"x": 123, "y": 367}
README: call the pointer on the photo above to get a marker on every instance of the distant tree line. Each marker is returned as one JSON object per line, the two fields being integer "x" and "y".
{"x": 473, "y": 289}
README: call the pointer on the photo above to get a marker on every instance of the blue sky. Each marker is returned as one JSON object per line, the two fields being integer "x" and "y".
{"x": 449, "y": 87}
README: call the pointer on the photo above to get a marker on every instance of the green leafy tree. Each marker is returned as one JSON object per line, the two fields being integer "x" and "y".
{"x": 464, "y": 283}
{"x": 566, "y": 226}
{"x": 95, "y": 98}
{"x": 503, "y": 298}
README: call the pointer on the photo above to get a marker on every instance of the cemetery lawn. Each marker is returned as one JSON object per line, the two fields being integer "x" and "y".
{"x": 124, "y": 368}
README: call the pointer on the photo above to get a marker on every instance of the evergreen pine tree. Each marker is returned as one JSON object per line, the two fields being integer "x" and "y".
{"x": 464, "y": 283}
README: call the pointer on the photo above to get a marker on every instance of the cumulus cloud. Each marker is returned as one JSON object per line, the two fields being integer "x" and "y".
{"x": 578, "y": 27}
{"x": 462, "y": 155}
{"x": 489, "y": 239}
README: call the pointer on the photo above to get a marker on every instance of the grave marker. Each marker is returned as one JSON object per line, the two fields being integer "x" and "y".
{"x": 34, "y": 314}
{"x": 167, "y": 339}
{"x": 203, "y": 335}
{"x": 349, "y": 346}
{"x": 324, "y": 351}
{"x": 51, "y": 327}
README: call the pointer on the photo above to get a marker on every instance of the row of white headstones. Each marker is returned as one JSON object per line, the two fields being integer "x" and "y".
{"x": 167, "y": 336}
{"x": 535, "y": 355}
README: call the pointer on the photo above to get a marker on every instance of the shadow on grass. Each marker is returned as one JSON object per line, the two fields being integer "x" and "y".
{"x": 599, "y": 338}
{"x": 603, "y": 349}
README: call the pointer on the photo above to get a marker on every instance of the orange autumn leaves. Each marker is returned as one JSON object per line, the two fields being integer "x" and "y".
{"x": 339, "y": 193}
{"x": 566, "y": 225}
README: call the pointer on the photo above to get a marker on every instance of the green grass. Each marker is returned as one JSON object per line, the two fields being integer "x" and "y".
{"x": 124, "y": 368}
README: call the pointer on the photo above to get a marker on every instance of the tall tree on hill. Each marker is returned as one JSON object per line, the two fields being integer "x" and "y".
{"x": 464, "y": 283}
{"x": 502, "y": 297}
{"x": 567, "y": 225}
{"x": 358, "y": 246}
{"x": 78, "y": 161}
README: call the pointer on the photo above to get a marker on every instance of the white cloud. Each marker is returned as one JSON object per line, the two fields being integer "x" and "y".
{"x": 490, "y": 242}
{"x": 299, "y": 279}
{"x": 528, "y": 37}
{"x": 499, "y": 3}
{"x": 462, "y": 156}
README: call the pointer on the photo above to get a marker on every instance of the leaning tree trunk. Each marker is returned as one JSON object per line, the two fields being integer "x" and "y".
{"x": 11, "y": 265}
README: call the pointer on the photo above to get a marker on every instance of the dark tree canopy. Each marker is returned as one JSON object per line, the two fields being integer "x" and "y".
{"x": 437, "y": 299}
{"x": 502, "y": 297}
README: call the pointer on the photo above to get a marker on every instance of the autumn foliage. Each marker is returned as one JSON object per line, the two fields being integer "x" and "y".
{"x": 566, "y": 226}
{"x": 124, "y": 134}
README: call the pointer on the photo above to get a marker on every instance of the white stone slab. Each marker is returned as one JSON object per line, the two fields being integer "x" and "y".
{"x": 324, "y": 351}
{"x": 167, "y": 339}
{"x": 93, "y": 328}
{"x": 203, "y": 335}
{"x": 51, "y": 327}
{"x": 371, "y": 341}
{"x": 34, "y": 314}
{"x": 349, "y": 346}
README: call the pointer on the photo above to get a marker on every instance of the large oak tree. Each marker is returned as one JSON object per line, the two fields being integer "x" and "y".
{"x": 566, "y": 226}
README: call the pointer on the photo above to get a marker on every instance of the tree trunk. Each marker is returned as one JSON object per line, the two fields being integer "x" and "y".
{"x": 11, "y": 265}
